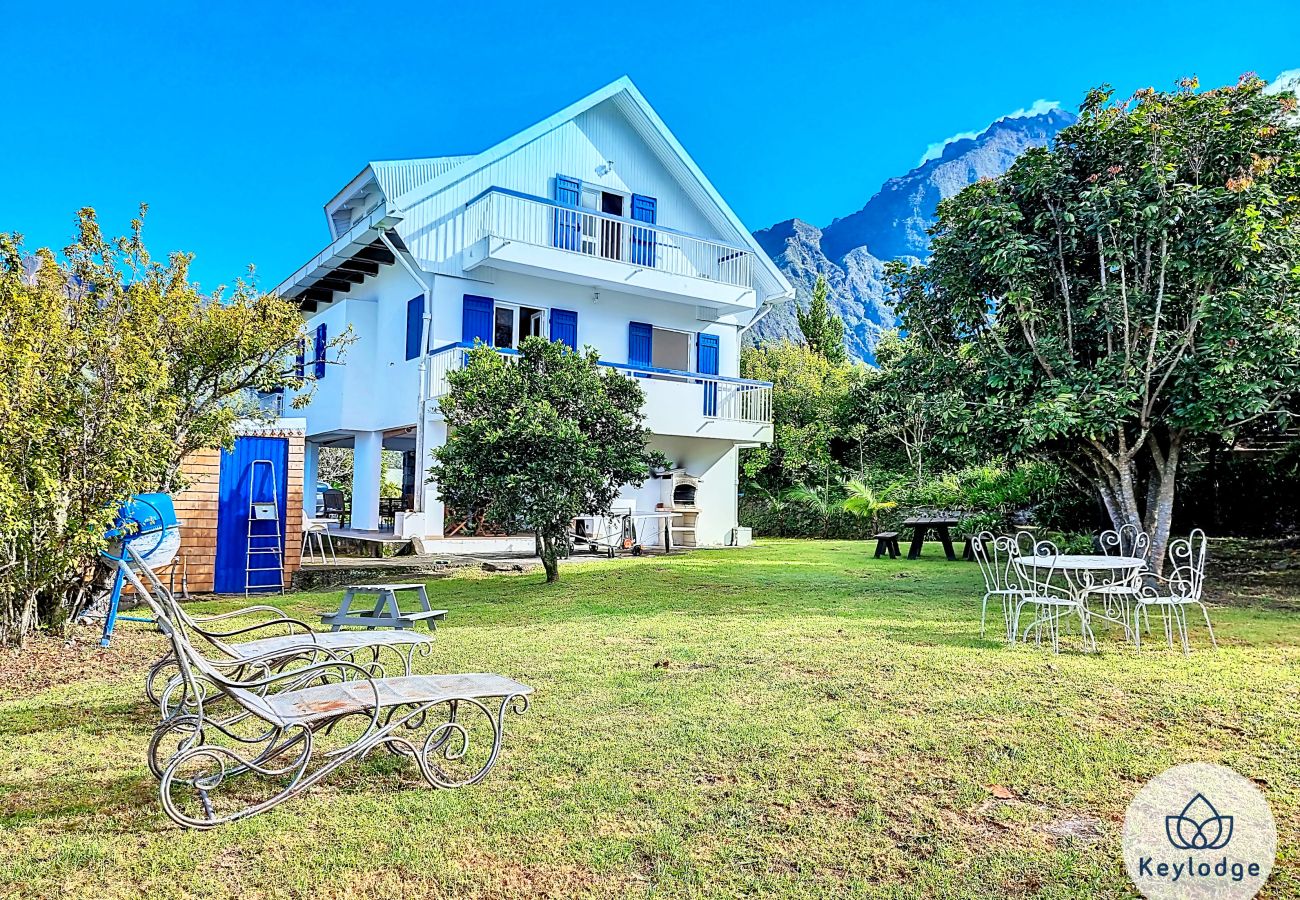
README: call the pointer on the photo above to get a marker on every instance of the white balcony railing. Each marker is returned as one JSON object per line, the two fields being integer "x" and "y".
{"x": 718, "y": 397}
{"x": 509, "y": 216}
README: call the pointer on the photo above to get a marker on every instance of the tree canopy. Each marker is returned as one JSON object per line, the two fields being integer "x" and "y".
{"x": 540, "y": 438}
{"x": 822, "y": 329}
{"x": 1136, "y": 285}
{"x": 112, "y": 367}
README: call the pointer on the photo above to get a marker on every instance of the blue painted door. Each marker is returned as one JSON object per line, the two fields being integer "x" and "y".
{"x": 234, "y": 492}
{"x": 640, "y": 344}
{"x": 476, "y": 320}
{"x": 706, "y": 363}
{"x": 568, "y": 225}
{"x": 643, "y": 239}
{"x": 564, "y": 327}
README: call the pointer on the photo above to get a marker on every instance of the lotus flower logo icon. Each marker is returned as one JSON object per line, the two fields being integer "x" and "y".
{"x": 1199, "y": 826}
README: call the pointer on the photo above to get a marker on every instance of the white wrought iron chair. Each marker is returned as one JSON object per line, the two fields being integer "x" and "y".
{"x": 241, "y": 727}
{"x": 1180, "y": 588}
{"x": 1117, "y": 596}
{"x": 1051, "y": 602}
{"x": 1001, "y": 580}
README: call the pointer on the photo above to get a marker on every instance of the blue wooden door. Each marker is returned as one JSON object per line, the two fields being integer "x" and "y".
{"x": 706, "y": 363}
{"x": 564, "y": 327}
{"x": 234, "y": 492}
{"x": 476, "y": 320}
{"x": 643, "y": 239}
{"x": 568, "y": 224}
{"x": 640, "y": 344}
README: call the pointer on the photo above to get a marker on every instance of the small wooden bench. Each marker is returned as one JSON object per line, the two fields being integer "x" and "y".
{"x": 887, "y": 542}
{"x": 386, "y": 613}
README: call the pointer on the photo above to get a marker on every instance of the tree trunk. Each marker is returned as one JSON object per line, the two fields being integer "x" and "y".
{"x": 1160, "y": 515}
{"x": 18, "y": 618}
{"x": 550, "y": 556}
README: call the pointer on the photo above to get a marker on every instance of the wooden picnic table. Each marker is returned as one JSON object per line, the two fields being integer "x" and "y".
{"x": 921, "y": 525}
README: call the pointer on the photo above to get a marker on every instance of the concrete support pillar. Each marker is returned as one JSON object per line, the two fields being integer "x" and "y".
{"x": 434, "y": 510}
{"x": 367, "y": 472}
{"x": 310, "y": 468}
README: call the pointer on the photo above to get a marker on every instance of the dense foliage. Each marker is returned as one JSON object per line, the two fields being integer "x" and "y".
{"x": 112, "y": 367}
{"x": 540, "y": 438}
{"x": 857, "y": 449}
{"x": 1113, "y": 299}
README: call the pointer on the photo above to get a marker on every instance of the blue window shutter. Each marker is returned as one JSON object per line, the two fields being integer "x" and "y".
{"x": 564, "y": 327}
{"x": 414, "y": 325}
{"x": 300, "y": 361}
{"x": 706, "y": 363}
{"x": 643, "y": 239}
{"x": 318, "y": 366}
{"x": 476, "y": 320}
{"x": 568, "y": 226}
{"x": 640, "y": 342}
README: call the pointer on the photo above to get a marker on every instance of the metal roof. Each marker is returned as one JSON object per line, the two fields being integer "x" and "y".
{"x": 397, "y": 176}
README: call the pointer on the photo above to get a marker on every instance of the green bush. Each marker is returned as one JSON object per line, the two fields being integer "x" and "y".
{"x": 994, "y": 497}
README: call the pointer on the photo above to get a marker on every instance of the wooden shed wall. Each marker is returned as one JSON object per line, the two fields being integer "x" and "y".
{"x": 197, "y": 505}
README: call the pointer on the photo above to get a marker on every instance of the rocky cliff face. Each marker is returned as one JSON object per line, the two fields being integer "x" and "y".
{"x": 851, "y": 252}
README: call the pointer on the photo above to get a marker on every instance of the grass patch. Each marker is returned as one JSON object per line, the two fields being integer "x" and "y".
{"x": 794, "y": 720}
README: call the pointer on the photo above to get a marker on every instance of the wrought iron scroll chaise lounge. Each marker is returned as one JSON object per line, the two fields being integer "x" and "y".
{"x": 240, "y": 746}
{"x": 300, "y": 642}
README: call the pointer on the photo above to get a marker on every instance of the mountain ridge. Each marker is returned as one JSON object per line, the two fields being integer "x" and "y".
{"x": 852, "y": 251}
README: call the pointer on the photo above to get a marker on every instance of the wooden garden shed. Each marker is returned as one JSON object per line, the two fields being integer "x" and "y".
{"x": 240, "y": 505}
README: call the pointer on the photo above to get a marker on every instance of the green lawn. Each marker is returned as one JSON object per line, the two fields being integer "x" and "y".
{"x": 796, "y": 719}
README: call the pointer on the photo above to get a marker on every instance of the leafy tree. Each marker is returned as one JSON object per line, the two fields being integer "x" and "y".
{"x": 810, "y": 413}
{"x": 541, "y": 438}
{"x": 913, "y": 397}
{"x": 112, "y": 367}
{"x": 822, "y": 329}
{"x": 1132, "y": 288}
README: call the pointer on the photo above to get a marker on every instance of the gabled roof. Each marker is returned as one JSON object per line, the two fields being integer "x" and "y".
{"x": 399, "y": 176}
{"x": 407, "y": 182}
{"x": 651, "y": 128}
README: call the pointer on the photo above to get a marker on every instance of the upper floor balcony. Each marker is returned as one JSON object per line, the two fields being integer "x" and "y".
{"x": 523, "y": 233}
{"x": 687, "y": 404}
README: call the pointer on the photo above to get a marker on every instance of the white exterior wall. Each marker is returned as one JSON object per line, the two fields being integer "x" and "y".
{"x": 377, "y": 389}
{"x": 602, "y": 323}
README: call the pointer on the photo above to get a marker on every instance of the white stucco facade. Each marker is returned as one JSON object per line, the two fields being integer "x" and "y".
{"x": 592, "y": 227}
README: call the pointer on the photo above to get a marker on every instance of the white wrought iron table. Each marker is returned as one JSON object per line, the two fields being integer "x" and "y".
{"x": 1080, "y": 572}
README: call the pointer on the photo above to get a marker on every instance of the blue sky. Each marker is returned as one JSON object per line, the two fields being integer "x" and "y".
{"x": 236, "y": 121}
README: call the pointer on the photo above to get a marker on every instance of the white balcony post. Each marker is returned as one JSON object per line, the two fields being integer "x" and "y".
{"x": 310, "y": 470}
{"x": 435, "y": 435}
{"x": 367, "y": 471}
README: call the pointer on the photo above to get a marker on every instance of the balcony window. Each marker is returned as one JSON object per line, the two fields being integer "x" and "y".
{"x": 671, "y": 350}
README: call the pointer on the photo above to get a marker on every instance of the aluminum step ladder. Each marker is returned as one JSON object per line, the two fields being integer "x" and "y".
{"x": 265, "y": 548}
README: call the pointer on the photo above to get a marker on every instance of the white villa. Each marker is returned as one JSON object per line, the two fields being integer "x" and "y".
{"x": 593, "y": 227}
